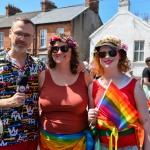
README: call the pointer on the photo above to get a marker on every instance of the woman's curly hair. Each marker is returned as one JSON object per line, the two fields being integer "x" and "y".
{"x": 123, "y": 64}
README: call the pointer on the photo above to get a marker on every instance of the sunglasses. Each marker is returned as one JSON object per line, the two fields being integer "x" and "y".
{"x": 111, "y": 53}
{"x": 63, "y": 49}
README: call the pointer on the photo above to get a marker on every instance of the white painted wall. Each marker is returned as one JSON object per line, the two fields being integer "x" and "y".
{"x": 128, "y": 28}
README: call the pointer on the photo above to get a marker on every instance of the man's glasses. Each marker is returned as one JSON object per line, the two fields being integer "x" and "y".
{"x": 26, "y": 36}
{"x": 63, "y": 48}
{"x": 111, "y": 53}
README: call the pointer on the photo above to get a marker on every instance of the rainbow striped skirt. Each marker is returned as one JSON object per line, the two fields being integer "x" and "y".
{"x": 77, "y": 141}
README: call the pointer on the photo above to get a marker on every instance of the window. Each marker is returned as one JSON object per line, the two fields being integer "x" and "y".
{"x": 43, "y": 38}
{"x": 1, "y": 40}
{"x": 139, "y": 51}
{"x": 60, "y": 31}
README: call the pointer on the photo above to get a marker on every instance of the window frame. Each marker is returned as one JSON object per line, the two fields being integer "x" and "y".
{"x": 1, "y": 40}
{"x": 43, "y": 38}
{"x": 139, "y": 50}
{"x": 60, "y": 31}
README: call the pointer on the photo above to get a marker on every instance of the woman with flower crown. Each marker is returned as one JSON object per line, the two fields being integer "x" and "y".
{"x": 118, "y": 110}
{"x": 63, "y": 99}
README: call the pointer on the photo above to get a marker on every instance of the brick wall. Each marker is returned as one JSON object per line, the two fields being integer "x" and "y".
{"x": 6, "y": 37}
{"x": 7, "y": 42}
{"x": 51, "y": 31}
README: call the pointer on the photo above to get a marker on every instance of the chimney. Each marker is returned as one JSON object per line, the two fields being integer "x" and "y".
{"x": 11, "y": 10}
{"x": 47, "y": 5}
{"x": 124, "y": 5}
{"x": 93, "y": 5}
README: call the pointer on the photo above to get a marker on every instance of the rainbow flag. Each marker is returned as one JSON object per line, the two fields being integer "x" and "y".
{"x": 117, "y": 107}
{"x": 77, "y": 141}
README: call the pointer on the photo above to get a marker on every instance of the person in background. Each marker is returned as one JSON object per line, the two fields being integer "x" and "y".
{"x": 87, "y": 67}
{"x": 131, "y": 73}
{"x": 146, "y": 78}
{"x": 7, "y": 49}
{"x": 19, "y": 111}
{"x": 63, "y": 98}
{"x": 110, "y": 61}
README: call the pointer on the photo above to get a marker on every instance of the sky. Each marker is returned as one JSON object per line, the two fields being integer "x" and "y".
{"x": 107, "y": 8}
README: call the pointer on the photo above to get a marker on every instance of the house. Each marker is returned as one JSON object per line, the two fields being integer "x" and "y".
{"x": 79, "y": 21}
{"x": 132, "y": 30}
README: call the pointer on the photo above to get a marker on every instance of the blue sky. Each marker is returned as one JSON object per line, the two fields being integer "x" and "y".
{"x": 107, "y": 8}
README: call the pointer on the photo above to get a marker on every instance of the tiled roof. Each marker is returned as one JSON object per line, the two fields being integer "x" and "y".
{"x": 7, "y": 21}
{"x": 59, "y": 14}
{"x": 51, "y": 16}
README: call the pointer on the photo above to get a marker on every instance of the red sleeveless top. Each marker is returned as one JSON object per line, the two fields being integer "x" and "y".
{"x": 128, "y": 90}
{"x": 64, "y": 107}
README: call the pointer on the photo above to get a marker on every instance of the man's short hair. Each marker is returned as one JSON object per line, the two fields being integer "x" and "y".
{"x": 25, "y": 20}
{"x": 147, "y": 59}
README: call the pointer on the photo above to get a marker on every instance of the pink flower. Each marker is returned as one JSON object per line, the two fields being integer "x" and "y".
{"x": 124, "y": 46}
{"x": 64, "y": 38}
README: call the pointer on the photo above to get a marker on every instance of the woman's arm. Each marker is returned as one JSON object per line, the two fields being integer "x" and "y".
{"x": 88, "y": 78}
{"x": 91, "y": 101}
{"x": 93, "y": 111}
{"x": 41, "y": 79}
{"x": 142, "y": 107}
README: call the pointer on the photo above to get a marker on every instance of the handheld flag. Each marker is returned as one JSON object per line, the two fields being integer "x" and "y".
{"x": 117, "y": 107}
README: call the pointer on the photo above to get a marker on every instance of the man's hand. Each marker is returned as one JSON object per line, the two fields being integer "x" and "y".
{"x": 17, "y": 100}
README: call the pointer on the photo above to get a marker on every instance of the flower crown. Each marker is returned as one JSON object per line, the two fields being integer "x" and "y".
{"x": 114, "y": 40}
{"x": 64, "y": 38}
{"x": 124, "y": 46}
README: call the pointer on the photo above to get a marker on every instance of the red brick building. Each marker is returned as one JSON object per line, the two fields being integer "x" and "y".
{"x": 79, "y": 21}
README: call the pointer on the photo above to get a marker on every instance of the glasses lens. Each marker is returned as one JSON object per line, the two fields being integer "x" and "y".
{"x": 112, "y": 53}
{"x": 27, "y": 36}
{"x": 54, "y": 49}
{"x": 64, "y": 48}
{"x": 18, "y": 34}
{"x": 102, "y": 54}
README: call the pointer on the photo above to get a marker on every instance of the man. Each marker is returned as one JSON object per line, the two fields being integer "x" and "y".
{"x": 146, "y": 81}
{"x": 146, "y": 78}
{"x": 19, "y": 111}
